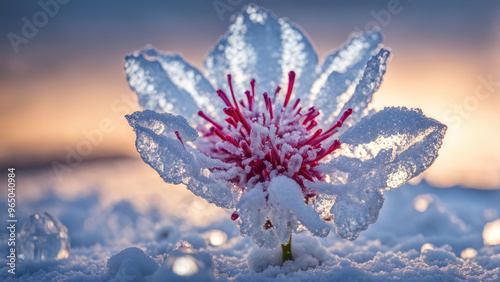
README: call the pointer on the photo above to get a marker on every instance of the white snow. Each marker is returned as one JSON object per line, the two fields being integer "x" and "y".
{"x": 138, "y": 210}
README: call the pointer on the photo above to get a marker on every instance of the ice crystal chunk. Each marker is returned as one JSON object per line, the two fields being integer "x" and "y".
{"x": 259, "y": 46}
{"x": 44, "y": 237}
{"x": 381, "y": 151}
{"x": 341, "y": 71}
{"x": 173, "y": 158}
{"x": 167, "y": 83}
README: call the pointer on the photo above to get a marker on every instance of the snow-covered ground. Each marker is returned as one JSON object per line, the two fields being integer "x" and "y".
{"x": 125, "y": 223}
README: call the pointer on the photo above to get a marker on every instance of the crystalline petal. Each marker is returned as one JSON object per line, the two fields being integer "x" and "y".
{"x": 368, "y": 85}
{"x": 382, "y": 151}
{"x": 260, "y": 46}
{"x": 163, "y": 124}
{"x": 159, "y": 147}
{"x": 341, "y": 71}
{"x": 167, "y": 83}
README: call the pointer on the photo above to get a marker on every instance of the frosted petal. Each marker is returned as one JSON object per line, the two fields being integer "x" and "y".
{"x": 368, "y": 85}
{"x": 341, "y": 71}
{"x": 254, "y": 211}
{"x": 260, "y": 46}
{"x": 177, "y": 163}
{"x": 167, "y": 83}
{"x": 286, "y": 195}
{"x": 163, "y": 124}
{"x": 382, "y": 151}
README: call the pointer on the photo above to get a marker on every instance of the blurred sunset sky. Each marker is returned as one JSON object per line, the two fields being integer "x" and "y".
{"x": 68, "y": 79}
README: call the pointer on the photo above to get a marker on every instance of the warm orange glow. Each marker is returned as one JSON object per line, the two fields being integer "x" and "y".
{"x": 53, "y": 110}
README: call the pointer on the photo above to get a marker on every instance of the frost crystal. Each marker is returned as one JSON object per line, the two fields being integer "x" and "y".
{"x": 285, "y": 161}
{"x": 44, "y": 237}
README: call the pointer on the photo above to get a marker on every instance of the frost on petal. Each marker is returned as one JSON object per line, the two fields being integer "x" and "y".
{"x": 269, "y": 217}
{"x": 167, "y": 83}
{"x": 260, "y": 46}
{"x": 341, "y": 72}
{"x": 368, "y": 85}
{"x": 176, "y": 162}
{"x": 254, "y": 213}
{"x": 286, "y": 195}
{"x": 382, "y": 151}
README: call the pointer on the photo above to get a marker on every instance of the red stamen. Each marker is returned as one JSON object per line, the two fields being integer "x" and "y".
{"x": 346, "y": 115}
{"x": 231, "y": 140}
{"x": 231, "y": 122}
{"x": 323, "y": 137}
{"x": 250, "y": 100}
{"x": 271, "y": 108}
{"x": 234, "y": 216}
{"x": 296, "y": 103}
{"x": 269, "y": 105}
{"x": 201, "y": 114}
{"x": 338, "y": 124}
{"x": 218, "y": 133}
{"x": 265, "y": 174}
{"x": 298, "y": 111}
{"x": 298, "y": 180}
{"x": 336, "y": 144}
{"x": 179, "y": 137}
{"x": 231, "y": 88}
{"x": 246, "y": 148}
{"x": 243, "y": 121}
{"x": 314, "y": 136}
{"x": 291, "y": 80}
{"x": 311, "y": 114}
{"x": 312, "y": 125}
{"x": 276, "y": 92}
{"x": 231, "y": 112}
{"x": 306, "y": 174}
{"x": 224, "y": 98}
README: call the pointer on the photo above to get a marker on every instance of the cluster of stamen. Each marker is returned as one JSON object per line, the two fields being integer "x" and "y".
{"x": 279, "y": 140}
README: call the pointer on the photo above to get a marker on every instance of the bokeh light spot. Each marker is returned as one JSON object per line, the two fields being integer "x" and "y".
{"x": 217, "y": 237}
{"x": 422, "y": 202}
{"x": 491, "y": 233}
{"x": 185, "y": 266}
{"x": 468, "y": 253}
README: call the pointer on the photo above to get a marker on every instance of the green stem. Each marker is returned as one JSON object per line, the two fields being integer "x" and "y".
{"x": 287, "y": 250}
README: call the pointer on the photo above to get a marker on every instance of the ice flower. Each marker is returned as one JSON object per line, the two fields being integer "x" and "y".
{"x": 283, "y": 159}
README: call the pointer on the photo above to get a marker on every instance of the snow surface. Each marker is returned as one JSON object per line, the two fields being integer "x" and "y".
{"x": 134, "y": 226}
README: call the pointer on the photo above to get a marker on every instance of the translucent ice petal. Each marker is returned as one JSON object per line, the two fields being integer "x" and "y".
{"x": 368, "y": 85}
{"x": 260, "y": 46}
{"x": 382, "y": 151}
{"x": 44, "y": 237}
{"x": 341, "y": 71}
{"x": 163, "y": 124}
{"x": 177, "y": 162}
{"x": 167, "y": 83}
